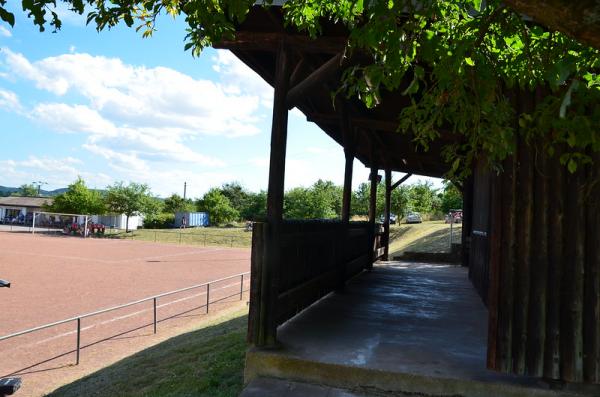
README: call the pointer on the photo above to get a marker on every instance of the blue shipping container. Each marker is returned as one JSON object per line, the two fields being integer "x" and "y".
{"x": 192, "y": 219}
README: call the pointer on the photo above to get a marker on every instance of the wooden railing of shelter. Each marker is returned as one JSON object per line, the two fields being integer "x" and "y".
{"x": 306, "y": 261}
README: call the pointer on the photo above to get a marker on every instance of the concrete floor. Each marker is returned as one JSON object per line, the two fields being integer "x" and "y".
{"x": 411, "y": 328}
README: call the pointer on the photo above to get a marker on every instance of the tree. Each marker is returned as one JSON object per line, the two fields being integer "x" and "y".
{"x": 256, "y": 206}
{"x": 422, "y": 197}
{"x": 175, "y": 203}
{"x": 131, "y": 200}
{"x": 218, "y": 207}
{"x": 451, "y": 198}
{"x": 28, "y": 190}
{"x": 323, "y": 200}
{"x": 459, "y": 60}
{"x": 78, "y": 199}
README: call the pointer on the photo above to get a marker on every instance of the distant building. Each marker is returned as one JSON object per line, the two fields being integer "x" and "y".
{"x": 118, "y": 221}
{"x": 20, "y": 209}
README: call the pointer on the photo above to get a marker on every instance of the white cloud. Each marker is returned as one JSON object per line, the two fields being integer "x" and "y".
{"x": 238, "y": 77}
{"x": 57, "y": 172}
{"x": 10, "y": 101}
{"x": 5, "y": 32}
{"x": 141, "y": 120}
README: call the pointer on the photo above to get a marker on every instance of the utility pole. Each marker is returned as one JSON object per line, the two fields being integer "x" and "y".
{"x": 39, "y": 186}
{"x": 184, "y": 190}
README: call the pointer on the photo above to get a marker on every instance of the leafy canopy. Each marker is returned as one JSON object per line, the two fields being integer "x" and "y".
{"x": 130, "y": 200}
{"x": 78, "y": 199}
{"x": 461, "y": 57}
{"x": 218, "y": 206}
{"x": 28, "y": 190}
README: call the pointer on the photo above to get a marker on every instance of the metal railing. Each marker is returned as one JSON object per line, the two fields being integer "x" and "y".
{"x": 184, "y": 236}
{"x": 154, "y": 300}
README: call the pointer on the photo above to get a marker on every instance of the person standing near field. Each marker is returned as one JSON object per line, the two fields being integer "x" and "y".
{"x": 183, "y": 222}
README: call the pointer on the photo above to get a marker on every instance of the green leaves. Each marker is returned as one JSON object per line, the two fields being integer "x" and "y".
{"x": 7, "y": 17}
{"x": 454, "y": 59}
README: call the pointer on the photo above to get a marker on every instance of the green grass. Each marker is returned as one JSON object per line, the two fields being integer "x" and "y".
{"x": 209, "y": 236}
{"x": 207, "y": 362}
{"x": 431, "y": 236}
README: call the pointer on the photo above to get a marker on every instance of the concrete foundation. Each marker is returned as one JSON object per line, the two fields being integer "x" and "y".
{"x": 403, "y": 328}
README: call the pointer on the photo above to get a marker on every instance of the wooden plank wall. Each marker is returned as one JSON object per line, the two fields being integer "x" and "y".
{"x": 479, "y": 233}
{"x": 546, "y": 311}
{"x": 317, "y": 257}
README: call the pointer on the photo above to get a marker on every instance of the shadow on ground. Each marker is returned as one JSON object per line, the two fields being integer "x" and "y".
{"x": 206, "y": 362}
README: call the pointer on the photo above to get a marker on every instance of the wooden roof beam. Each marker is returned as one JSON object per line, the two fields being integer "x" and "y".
{"x": 269, "y": 41}
{"x": 361, "y": 122}
{"x": 316, "y": 78}
{"x": 401, "y": 181}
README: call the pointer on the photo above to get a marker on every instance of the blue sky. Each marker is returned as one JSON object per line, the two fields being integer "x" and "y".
{"x": 112, "y": 106}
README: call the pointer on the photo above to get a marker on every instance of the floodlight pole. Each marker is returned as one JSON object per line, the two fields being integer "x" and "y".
{"x": 184, "y": 190}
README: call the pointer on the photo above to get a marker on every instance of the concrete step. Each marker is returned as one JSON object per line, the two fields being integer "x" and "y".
{"x": 268, "y": 387}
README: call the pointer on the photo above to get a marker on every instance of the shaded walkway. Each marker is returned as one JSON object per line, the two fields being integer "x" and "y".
{"x": 404, "y": 327}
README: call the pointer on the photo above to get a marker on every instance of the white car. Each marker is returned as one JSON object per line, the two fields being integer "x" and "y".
{"x": 413, "y": 217}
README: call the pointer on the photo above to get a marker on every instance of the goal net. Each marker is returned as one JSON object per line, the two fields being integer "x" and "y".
{"x": 66, "y": 224}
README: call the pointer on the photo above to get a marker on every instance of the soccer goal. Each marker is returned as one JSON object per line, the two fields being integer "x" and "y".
{"x": 66, "y": 224}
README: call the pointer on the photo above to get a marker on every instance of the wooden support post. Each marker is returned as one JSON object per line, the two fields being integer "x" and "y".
{"x": 349, "y": 147}
{"x": 275, "y": 195}
{"x": 373, "y": 210}
{"x": 467, "y": 226}
{"x": 388, "y": 206}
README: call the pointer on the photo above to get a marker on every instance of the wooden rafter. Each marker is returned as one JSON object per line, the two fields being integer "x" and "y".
{"x": 269, "y": 41}
{"x": 316, "y": 78}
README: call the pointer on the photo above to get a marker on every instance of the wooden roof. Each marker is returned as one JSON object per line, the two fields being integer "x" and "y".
{"x": 316, "y": 74}
{"x": 29, "y": 202}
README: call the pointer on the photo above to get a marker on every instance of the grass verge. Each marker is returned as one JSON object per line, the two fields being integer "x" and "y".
{"x": 433, "y": 236}
{"x": 210, "y": 236}
{"x": 207, "y": 362}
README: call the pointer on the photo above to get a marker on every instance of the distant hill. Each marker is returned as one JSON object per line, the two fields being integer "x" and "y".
{"x": 7, "y": 191}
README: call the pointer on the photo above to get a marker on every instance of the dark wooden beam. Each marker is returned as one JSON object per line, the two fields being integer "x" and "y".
{"x": 401, "y": 181}
{"x": 349, "y": 146}
{"x": 357, "y": 121}
{"x": 315, "y": 79}
{"x": 388, "y": 208}
{"x": 275, "y": 194}
{"x": 270, "y": 41}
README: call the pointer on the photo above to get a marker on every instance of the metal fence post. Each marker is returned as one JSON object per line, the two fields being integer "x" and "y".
{"x": 154, "y": 315}
{"x": 231, "y": 242}
{"x": 204, "y": 239}
{"x": 155, "y": 236}
{"x": 179, "y": 237}
{"x": 207, "y": 296}
{"x": 242, "y": 287}
{"x": 78, "y": 340}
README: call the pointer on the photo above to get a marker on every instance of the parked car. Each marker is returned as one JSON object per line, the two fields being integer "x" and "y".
{"x": 414, "y": 217}
{"x": 393, "y": 219}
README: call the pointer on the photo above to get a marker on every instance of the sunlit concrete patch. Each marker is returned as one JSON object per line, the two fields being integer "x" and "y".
{"x": 414, "y": 328}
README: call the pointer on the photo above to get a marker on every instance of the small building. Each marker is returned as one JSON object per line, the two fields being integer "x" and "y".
{"x": 118, "y": 221}
{"x": 20, "y": 209}
{"x": 191, "y": 219}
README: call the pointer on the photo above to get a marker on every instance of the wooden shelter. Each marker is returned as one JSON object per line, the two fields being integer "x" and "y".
{"x": 530, "y": 234}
